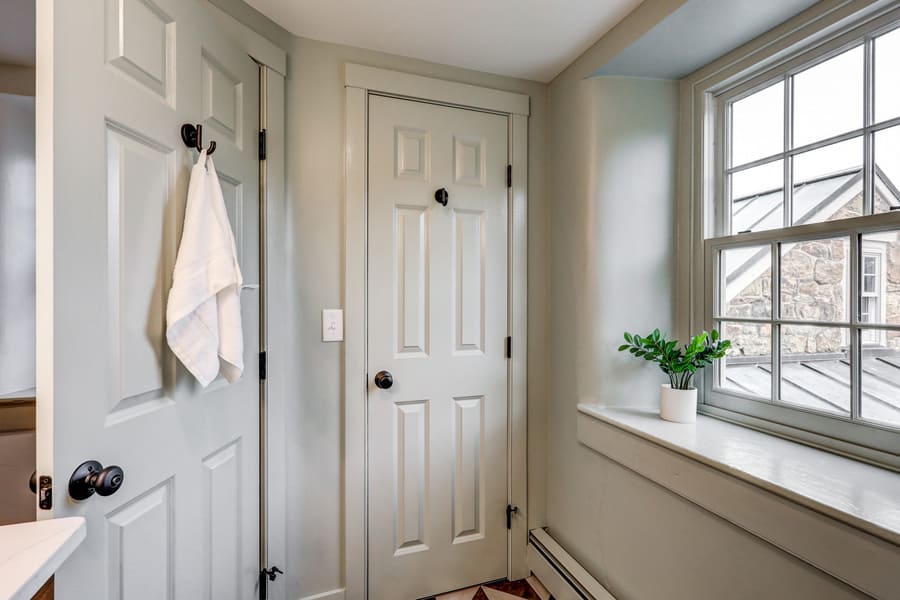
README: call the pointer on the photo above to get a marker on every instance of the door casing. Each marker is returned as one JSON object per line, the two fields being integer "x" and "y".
{"x": 360, "y": 81}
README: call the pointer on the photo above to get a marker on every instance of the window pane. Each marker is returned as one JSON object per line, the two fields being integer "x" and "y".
{"x": 748, "y": 366}
{"x": 757, "y": 125}
{"x": 747, "y": 289}
{"x": 815, "y": 277}
{"x": 887, "y": 84}
{"x": 883, "y": 286}
{"x": 880, "y": 381}
{"x": 758, "y": 198}
{"x": 828, "y": 98}
{"x": 815, "y": 368}
{"x": 887, "y": 169}
{"x": 828, "y": 183}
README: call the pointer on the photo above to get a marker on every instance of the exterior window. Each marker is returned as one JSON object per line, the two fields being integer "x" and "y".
{"x": 803, "y": 253}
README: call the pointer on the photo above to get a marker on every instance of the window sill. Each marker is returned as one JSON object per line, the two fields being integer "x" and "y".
{"x": 818, "y": 506}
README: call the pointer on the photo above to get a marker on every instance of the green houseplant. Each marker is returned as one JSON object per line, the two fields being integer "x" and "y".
{"x": 678, "y": 398}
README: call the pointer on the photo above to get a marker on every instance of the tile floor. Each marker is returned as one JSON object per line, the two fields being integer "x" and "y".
{"x": 529, "y": 588}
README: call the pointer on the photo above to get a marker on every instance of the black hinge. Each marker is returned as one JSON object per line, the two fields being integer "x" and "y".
{"x": 262, "y": 366}
{"x": 262, "y": 144}
{"x": 509, "y": 176}
{"x": 510, "y": 509}
{"x": 509, "y": 347}
{"x": 265, "y": 576}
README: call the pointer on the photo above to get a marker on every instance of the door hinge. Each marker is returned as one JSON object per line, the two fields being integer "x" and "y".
{"x": 509, "y": 346}
{"x": 263, "y": 366}
{"x": 510, "y": 509}
{"x": 263, "y": 145}
{"x": 265, "y": 576}
{"x": 509, "y": 176}
{"x": 45, "y": 492}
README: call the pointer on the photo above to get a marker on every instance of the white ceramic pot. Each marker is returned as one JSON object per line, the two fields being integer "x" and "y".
{"x": 679, "y": 406}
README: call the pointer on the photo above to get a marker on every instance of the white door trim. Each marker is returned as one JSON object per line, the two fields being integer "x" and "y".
{"x": 359, "y": 82}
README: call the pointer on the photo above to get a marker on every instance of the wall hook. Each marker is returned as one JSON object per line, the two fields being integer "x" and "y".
{"x": 192, "y": 136}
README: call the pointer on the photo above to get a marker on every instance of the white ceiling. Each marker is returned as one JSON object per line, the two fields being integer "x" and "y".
{"x": 17, "y": 32}
{"x": 531, "y": 39}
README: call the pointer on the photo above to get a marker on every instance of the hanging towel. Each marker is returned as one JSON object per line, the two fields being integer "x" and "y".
{"x": 203, "y": 314}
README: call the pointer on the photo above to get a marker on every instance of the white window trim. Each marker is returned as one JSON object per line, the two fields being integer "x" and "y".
{"x": 824, "y": 28}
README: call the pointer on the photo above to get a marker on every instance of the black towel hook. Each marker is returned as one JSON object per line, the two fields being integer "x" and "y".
{"x": 192, "y": 136}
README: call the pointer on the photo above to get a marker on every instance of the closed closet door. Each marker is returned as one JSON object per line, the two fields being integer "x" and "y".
{"x": 437, "y": 323}
{"x": 116, "y": 80}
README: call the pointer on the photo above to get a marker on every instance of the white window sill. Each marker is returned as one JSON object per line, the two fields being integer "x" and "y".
{"x": 820, "y": 507}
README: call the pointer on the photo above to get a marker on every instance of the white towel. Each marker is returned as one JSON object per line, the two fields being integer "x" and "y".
{"x": 203, "y": 314}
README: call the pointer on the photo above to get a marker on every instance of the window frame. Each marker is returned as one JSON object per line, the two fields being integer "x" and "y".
{"x": 871, "y": 441}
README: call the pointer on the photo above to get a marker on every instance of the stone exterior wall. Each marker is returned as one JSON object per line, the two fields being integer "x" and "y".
{"x": 814, "y": 286}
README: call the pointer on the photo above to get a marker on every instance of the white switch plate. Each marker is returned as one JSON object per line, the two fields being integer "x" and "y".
{"x": 332, "y": 325}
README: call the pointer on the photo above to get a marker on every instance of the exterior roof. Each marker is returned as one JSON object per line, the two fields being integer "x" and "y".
{"x": 814, "y": 200}
{"x": 822, "y": 382}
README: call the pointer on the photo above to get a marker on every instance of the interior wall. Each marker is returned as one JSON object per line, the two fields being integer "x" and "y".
{"x": 17, "y": 244}
{"x": 315, "y": 180}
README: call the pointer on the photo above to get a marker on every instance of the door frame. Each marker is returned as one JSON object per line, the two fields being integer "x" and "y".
{"x": 361, "y": 81}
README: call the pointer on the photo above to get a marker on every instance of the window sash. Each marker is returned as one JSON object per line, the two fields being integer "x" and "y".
{"x": 723, "y": 99}
{"x": 854, "y": 228}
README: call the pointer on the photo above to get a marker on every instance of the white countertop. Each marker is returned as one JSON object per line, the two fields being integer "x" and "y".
{"x": 30, "y": 553}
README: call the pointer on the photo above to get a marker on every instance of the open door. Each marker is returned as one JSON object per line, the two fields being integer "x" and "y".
{"x": 116, "y": 79}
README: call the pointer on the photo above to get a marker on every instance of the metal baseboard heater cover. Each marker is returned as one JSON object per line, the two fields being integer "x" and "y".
{"x": 559, "y": 572}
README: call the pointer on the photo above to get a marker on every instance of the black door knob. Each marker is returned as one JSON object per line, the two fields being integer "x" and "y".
{"x": 384, "y": 380}
{"x": 442, "y": 197}
{"x": 90, "y": 477}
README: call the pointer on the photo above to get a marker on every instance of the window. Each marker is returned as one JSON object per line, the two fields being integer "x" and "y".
{"x": 803, "y": 248}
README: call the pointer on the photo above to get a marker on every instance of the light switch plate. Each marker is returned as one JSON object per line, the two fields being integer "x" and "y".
{"x": 332, "y": 325}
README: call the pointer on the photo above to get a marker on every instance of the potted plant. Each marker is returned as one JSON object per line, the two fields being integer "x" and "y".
{"x": 678, "y": 398}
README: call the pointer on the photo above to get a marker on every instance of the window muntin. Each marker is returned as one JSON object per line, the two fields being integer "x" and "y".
{"x": 819, "y": 197}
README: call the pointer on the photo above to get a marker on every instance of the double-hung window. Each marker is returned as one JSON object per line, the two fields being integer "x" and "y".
{"x": 802, "y": 256}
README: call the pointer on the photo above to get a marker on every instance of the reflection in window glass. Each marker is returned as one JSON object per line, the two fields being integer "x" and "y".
{"x": 828, "y": 183}
{"x": 880, "y": 382}
{"x": 828, "y": 98}
{"x": 887, "y": 84}
{"x": 887, "y": 169}
{"x": 758, "y": 198}
{"x": 815, "y": 368}
{"x": 815, "y": 280}
{"x": 757, "y": 125}
{"x": 748, "y": 366}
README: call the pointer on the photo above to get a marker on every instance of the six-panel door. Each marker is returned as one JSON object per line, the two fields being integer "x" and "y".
{"x": 437, "y": 298}
{"x": 116, "y": 80}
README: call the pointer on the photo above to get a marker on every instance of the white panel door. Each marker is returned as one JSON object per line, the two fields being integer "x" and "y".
{"x": 437, "y": 293}
{"x": 116, "y": 80}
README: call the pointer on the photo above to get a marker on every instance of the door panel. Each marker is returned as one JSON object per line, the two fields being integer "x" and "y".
{"x": 437, "y": 449}
{"x": 116, "y": 80}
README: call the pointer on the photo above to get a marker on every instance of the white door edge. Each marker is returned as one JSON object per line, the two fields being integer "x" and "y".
{"x": 415, "y": 87}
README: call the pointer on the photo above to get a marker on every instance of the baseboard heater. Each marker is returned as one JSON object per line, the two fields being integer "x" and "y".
{"x": 559, "y": 572}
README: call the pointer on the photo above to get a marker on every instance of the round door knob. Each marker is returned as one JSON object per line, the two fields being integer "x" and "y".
{"x": 90, "y": 477}
{"x": 384, "y": 380}
{"x": 442, "y": 197}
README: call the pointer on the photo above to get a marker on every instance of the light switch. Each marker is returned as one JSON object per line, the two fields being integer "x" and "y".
{"x": 332, "y": 325}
